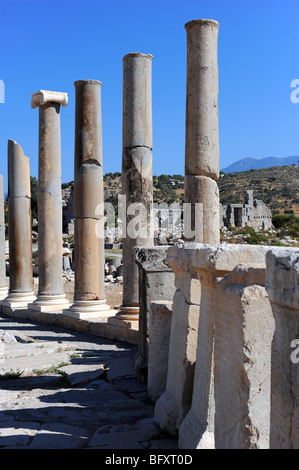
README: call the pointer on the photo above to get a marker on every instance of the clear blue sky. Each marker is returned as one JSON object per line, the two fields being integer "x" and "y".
{"x": 50, "y": 44}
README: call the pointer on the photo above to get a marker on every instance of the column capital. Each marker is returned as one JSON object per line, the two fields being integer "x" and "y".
{"x": 42, "y": 97}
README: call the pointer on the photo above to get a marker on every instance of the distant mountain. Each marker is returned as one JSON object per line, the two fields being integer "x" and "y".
{"x": 250, "y": 163}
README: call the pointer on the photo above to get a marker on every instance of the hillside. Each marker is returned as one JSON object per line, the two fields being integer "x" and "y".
{"x": 278, "y": 187}
{"x": 250, "y": 163}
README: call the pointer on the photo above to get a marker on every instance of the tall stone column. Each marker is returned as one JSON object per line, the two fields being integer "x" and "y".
{"x": 137, "y": 184}
{"x": 3, "y": 281}
{"x": 19, "y": 231}
{"x": 89, "y": 299}
{"x": 51, "y": 296}
{"x": 202, "y": 135}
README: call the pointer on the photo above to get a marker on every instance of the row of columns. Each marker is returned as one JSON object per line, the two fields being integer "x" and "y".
{"x": 89, "y": 295}
{"x": 201, "y": 172}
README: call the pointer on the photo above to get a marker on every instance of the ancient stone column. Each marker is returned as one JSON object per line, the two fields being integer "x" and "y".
{"x": 187, "y": 404}
{"x": 89, "y": 298}
{"x": 19, "y": 231}
{"x": 3, "y": 281}
{"x": 137, "y": 186}
{"x": 202, "y": 136}
{"x": 51, "y": 296}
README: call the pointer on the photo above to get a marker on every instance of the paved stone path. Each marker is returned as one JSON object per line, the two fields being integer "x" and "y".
{"x": 61, "y": 389}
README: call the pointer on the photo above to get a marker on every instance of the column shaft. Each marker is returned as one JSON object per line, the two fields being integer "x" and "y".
{"x": 3, "y": 282}
{"x": 89, "y": 299}
{"x": 50, "y": 293}
{"x": 19, "y": 230}
{"x": 136, "y": 172}
{"x": 19, "y": 220}
{"x": 202, "y": 135}
{"x": 49, "y": 201}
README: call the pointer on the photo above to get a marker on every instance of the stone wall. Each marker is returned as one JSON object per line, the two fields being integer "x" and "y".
{"x": 252, "y": 213}
{"x": 233, "y": 372}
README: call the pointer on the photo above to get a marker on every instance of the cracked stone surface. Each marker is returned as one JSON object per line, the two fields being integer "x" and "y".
{"x": 62, "y": 389}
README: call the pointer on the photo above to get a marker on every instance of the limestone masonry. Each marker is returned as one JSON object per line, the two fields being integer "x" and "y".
{"x": 213, "y": 361}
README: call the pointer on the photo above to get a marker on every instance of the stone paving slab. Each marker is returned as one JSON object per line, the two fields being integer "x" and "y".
{"x": 61, "y": 389}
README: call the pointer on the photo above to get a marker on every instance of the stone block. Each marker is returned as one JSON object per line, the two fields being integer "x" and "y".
{"x": 282, "y": 284}
{"x": 156, "y": 282}
{"x": 197, "y": 268}
{"x": 87, "y": 192}
{"x": 244, "y": 333}
{"x": 137, "y": 100}
{"x": 204, "y": 220}
{"x": 175, "y": 401}
{"x": 159, "y": 335}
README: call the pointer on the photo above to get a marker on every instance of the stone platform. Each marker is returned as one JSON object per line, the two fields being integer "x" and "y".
{"x": 103, "y": 326}
{"x": 62, "y": 389}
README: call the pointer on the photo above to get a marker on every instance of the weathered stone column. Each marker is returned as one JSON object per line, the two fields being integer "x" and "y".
{"x": 156, "y": 282}
{"x": 210, "y": 263}
{"x": 89, "y": 298}
{"x": 51, "y": 296}
{"x": 137, "y": 185}
{"x": 188, "y": 401}
{"x": 202, "y": 136}
{"x": 3, "y": 281}
{"x": 282, "y": 284}
{"x": 19, "y": 231}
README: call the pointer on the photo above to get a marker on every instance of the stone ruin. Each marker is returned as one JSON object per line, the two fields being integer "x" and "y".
{"x": 252, "y": 213}
{"x": 217, "y": 326}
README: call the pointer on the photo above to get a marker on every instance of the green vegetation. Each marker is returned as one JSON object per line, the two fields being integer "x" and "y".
{"x": 52, "y": 369}
{"x": 277, "y": 187}
{"x": 288, "y": 224}
{"x": 168, "y": 188}
{"x": 12, "y": 374}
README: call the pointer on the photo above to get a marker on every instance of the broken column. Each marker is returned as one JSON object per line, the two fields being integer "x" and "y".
{"x": 89, "y": 297}
{"x": 202, "y": 135}
{"x": 156, "y": 282}
{"x": 3, "y": 281}
{"x": 159, "y": 333}
{"x": 50, "y": 296}
{"x": 19, "y": 232}
{"x": 187, "y": 405}
{"x": 243, "y": 337}
{"x": 282, "y": 284}
{"x": 174, "y": 403}
{"x": 137, "y": 185}
{"x": 210, "y": 263}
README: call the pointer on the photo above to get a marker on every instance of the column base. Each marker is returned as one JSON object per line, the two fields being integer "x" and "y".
{"x": 128, "y": 313}
{"x": 16, "y": 301}
{"x": 49, "y": 303}
{"x": 126, "y": 317}
{"x": 84, "y": 309}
